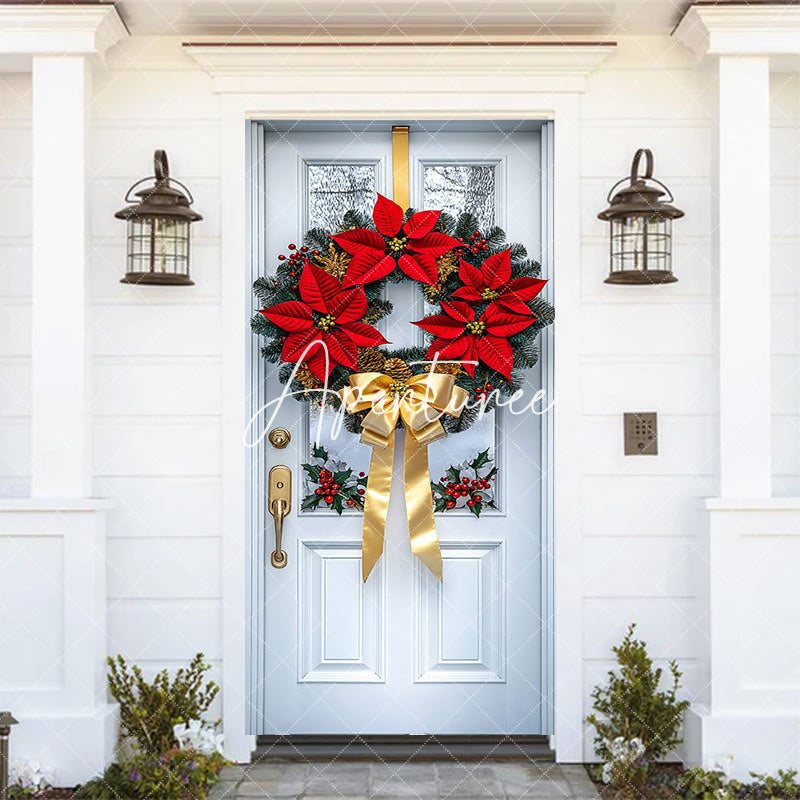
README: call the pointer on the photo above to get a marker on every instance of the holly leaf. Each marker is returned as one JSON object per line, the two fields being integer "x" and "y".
{"x": 318, "y": 451}
{"x": 362, "y": 481}
{"x": 476, "y": 509}
{"x": 311, "y": 501}
{"x": 313, "y": 471}
{"x": 480, "y": 459}
{"x": 491, "y": 474}
{"x": 338, "y": 504}
{"x": 440, "y": 504}
{"x": 437, "y": 487}
{"x": 341, "y": 477}
{"x": 453, "y": 474}
{"x": 388, "y": 216}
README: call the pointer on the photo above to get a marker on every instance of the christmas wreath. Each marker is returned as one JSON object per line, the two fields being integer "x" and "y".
{"x": 331, "y": 289}
{"x": 318, "y": 320}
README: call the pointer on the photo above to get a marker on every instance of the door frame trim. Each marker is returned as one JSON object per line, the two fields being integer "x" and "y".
{"x": 503, "y": 82}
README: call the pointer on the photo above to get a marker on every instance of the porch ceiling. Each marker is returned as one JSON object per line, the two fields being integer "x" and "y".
{"x": 453, "y": 18}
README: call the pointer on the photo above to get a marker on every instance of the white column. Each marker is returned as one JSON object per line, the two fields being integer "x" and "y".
{"x": 744, "y": 285}
{"x": 60, "y": 453}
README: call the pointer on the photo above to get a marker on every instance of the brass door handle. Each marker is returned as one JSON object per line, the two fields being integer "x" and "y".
{"x": 279, "y": 504}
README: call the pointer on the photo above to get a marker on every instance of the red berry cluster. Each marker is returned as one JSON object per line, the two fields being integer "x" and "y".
{"x": 328, "y": 487}
{"x": 464, "y": 489}
{"x": 296, "y": 257}
{"x": 482, "y": 392}
{"x": 477, "y": 242}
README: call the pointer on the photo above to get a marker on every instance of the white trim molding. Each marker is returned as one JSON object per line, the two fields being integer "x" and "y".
{"x": 89, "y": 29}
{"x": 506, "y": 81}
{"x": 712, "y": 29}
{"x": 244, "y": 67}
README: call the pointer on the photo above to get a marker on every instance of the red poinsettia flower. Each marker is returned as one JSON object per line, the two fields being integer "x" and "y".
{"x": 459, "y": 336}
{"x": 327, "y": 313}
{"x": 491, "y": 282}
{"x": 413, "y": 246}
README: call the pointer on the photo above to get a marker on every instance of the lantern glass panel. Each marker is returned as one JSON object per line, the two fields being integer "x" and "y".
{"x": 641, "y": 243}
{"x": 158, "y": 245}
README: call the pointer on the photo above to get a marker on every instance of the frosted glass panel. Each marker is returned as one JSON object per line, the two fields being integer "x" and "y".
{"x": 334, "y": 189}
{"x": 456, "y": 188}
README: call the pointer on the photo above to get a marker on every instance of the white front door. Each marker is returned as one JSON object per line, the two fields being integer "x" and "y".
{"x": 402, "y": 653}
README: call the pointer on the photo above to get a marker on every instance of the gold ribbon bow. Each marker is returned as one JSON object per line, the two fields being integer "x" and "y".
{"x": 419, "y": 402}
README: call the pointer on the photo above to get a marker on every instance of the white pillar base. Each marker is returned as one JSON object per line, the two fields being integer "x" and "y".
{"x": 758, "y": 743}
{"x": 78, "y": 747}
{"x": 53, "y": 673}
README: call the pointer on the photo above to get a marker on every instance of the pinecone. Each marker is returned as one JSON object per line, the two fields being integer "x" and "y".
{"x": 398, "y": 369}
{"x": 307, "y": 378}
{"x": 445, "y": 369}
{"x": 370, "y": 359}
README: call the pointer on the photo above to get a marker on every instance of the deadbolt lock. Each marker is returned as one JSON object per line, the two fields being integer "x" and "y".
{"x": 279, "y": 438}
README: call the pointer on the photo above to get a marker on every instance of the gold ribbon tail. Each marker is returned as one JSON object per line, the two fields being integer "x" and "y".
{"x": 376, "y": 505}
{"x": 419, "y": 506}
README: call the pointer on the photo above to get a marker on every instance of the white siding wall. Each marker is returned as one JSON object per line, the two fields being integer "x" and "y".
{"x": 15, "y": 284}
{"x": 785, "y": 274}
{"x": 157, "y": 354}
{"x": 157, "y": 365}
{"x": 647, "y": 349}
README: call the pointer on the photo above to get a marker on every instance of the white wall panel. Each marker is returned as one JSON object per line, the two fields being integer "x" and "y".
{"x": 169, "y": 387}
{"x": 15, "y": 268}
{"x": 176, "y": 567}
{"x": 636, "y": 504}
{"x": 162, "y": 505}
{"x": 155, "y": 330}
{"x": 672, "y": 627}
{"x": 679, "y": 385}
{"x": 157, "y": 446}
{"x": 165, "y": 630}
{"x": 641, "y": 566}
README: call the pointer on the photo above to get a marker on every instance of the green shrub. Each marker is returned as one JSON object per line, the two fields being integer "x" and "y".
{"x": 631, "y": 705}
{"x": 701, "y": 784}
{"x": 174, "y": 775}
{"x": 784, "y": 786}
{"x": 148, "y": 711}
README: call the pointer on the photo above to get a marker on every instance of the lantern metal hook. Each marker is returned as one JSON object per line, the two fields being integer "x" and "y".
{"x": 648, "y": 175}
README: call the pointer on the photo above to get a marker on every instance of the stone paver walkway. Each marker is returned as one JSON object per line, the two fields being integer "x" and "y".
{"x": 392, "y": 781}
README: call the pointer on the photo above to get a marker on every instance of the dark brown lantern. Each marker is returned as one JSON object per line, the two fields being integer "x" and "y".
{"x": 640, "y": 227}
{"x": 159, "y": 229}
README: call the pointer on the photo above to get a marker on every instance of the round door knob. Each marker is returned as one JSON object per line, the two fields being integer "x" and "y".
{"x": 279, "y": 438}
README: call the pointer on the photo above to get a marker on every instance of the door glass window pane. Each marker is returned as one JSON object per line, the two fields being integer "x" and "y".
{"x": 456, "y": 188}
{"x": 334, "y": 189}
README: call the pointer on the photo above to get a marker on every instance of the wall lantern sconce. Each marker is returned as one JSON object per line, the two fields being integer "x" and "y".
{"x": 6, "y": 721}
{"x": 641, "y": 227}
{"x": 158, "y": 229}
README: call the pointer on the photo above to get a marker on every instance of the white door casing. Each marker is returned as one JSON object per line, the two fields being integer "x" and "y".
{"x": 403, "y": 653}
{"x": 542, "y": 81}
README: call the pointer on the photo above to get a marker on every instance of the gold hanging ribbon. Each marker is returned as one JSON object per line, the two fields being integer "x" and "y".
{"x": 400, "y": 172}
{"x": 419, "y": 402}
